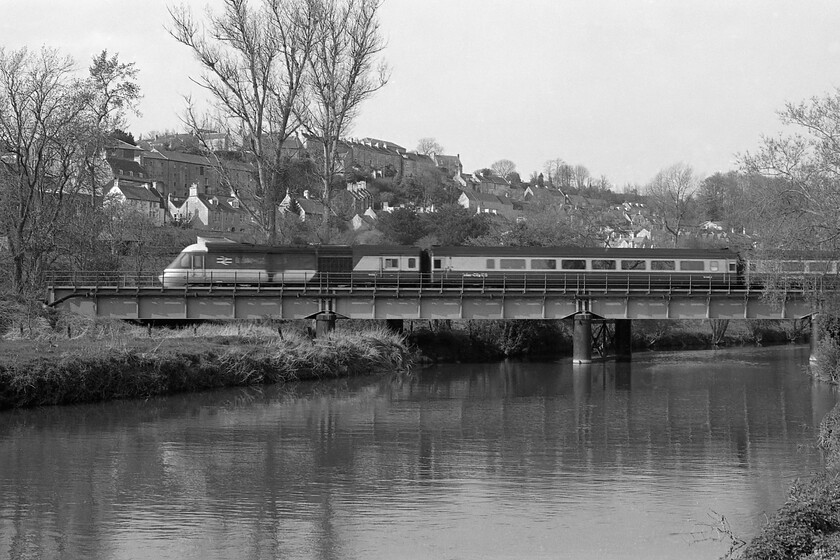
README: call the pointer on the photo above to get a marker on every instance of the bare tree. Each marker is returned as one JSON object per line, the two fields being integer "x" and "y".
{"x": 552, "y": 169}
{"x": 670, "y": 197}
{"x": 428, "y": 146}
{"x": 254, "y": 62}
{"x": 46, "y": 130}
{"x": 114, "y": 92}
{"x": 344, "y": 71}
{"x": 503, "y": 168}
{"x": 580, "y": 177}
{"x": 798, "y": 206}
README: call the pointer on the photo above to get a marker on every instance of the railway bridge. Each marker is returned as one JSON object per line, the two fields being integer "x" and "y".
{"x": 580, "y": 298}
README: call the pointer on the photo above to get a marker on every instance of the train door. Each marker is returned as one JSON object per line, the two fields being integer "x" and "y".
{"x": 197, "y": 273}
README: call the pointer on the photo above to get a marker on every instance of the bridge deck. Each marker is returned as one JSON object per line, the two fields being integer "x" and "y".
{"x": 360, "y": 297}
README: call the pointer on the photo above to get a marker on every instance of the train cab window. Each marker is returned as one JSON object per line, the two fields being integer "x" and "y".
{"x": 198, "y": 261}
{"x": 662, "y": 265}
{"x": 183, "y": 261}
{"x": 602, "y": 264}
{"x": 412, "y": 262}
{"x": 633, "y": 265}
{"x": 543, "y": 264}
{"x": 512, "y": 264}
{"x": 491, "y": 264}
{"x": 692, "y": 265}
{"x": 437, "y": 264}
{"x": 392, "y": 263}
{"x": 573, "y": 264}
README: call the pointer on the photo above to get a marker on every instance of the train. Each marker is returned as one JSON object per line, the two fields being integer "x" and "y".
{"x": 223, "y": 262}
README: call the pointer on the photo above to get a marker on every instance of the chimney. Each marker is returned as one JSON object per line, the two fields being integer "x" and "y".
{"x": 306, "y": 194}
{"x": 194, "y": 190}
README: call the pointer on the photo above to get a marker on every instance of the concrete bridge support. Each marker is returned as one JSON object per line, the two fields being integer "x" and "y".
{"x": 324, "y": 324}
{"x": 623, "y": 340}
{"x": 816, "y": 335}
{"x": 582, "y": 339}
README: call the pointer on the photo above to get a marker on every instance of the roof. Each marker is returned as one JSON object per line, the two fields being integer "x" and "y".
{"x": 310, "y": 206}
{"x": 137, "y": 192}
{"x": 125, "y": 166}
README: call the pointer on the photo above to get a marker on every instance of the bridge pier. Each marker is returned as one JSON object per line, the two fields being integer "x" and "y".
{"x": 816, "y": 335}
{"x": 623, "y": 340}
{"x": 582, "y": 339}
{"x": 324, "y": 324}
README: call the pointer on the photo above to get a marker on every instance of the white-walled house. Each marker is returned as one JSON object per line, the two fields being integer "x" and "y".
{"x": 142, "y": 198}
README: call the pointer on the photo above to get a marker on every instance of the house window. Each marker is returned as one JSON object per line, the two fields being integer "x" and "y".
{"x": 491, "y": 264}
{"x": 512, "y": 264}
{"x": 601, "y": 264}
{"x": 573, "y": 264}
{"x": 633, "y": 265}
{"x": 543, "y": 264}
{"x": 662, "y": 265}
{"x": 201, "y": 170}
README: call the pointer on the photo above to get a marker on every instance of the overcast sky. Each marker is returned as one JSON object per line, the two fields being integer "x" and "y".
{"x": 624, "y": 87}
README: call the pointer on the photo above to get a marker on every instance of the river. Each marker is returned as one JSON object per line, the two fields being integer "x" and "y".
{"x": 510, "y": 460}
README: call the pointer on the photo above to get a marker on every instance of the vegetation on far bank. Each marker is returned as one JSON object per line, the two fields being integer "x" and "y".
{"x": 112, "y": 360}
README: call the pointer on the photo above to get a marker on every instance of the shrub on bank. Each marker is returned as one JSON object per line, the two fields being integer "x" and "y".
{"x": 806, "y": 526}
{"x": 826, "y": 365}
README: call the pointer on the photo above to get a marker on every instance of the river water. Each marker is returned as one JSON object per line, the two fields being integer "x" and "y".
{"x": 511, "y": 460}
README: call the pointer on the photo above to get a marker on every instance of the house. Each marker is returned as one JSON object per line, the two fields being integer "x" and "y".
{"x": 545, "y": 196}
{"x": 141, "y": 198}
{"x": 450, "y": 164}
{"x": 304, "y": 206}
{"x": 492, "y": 184}
{"x": 364, "y": 222}
{"x": 484, "y": 203}
{"x": 209, "y": 212}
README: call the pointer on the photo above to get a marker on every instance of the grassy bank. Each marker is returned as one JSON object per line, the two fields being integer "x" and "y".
{"x": 113, "y": 360}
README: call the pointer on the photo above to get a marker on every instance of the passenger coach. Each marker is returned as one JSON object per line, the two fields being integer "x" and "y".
{"x": 636, "y": 266}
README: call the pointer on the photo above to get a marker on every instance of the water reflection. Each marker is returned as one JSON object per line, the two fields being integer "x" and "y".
{"x": 502, "y": 460}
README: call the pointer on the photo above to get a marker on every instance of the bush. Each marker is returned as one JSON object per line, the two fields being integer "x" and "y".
{"x": 811, "y": 512}
{"x": 826, "y": 365}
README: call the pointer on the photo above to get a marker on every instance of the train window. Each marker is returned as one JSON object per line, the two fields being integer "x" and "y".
{"x": 573, "y": 264}
{"x": 793, "y": 266}
{"x": 692, "y": 265}
{"x": 633, "y": 265}
{"x": 198, "y": 261}
{"x": 437, "y": 263}
{"x": 819, "y": 266}
{"x": 512, "y": 264}
{"x": 601, "y": 264}
{"x": 662, "y": 265}
{"x": 733, "y": 267}
{"x": 543, "y": 264}
{"x": 491, "y": 264}
{"x": 392, "y": 263}
{"x": 412, "y": 262}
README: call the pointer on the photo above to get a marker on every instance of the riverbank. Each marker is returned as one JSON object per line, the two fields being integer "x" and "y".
{"x": 807, "y": 526}
{"x": 490, "y": 340}
{"x": 113, "y": 360}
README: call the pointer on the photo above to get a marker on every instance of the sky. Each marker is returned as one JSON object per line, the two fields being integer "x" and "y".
{"x": 623, "y": 87}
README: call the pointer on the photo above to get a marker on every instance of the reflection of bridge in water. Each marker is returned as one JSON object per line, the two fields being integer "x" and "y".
{"x": 582, "y": 297}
